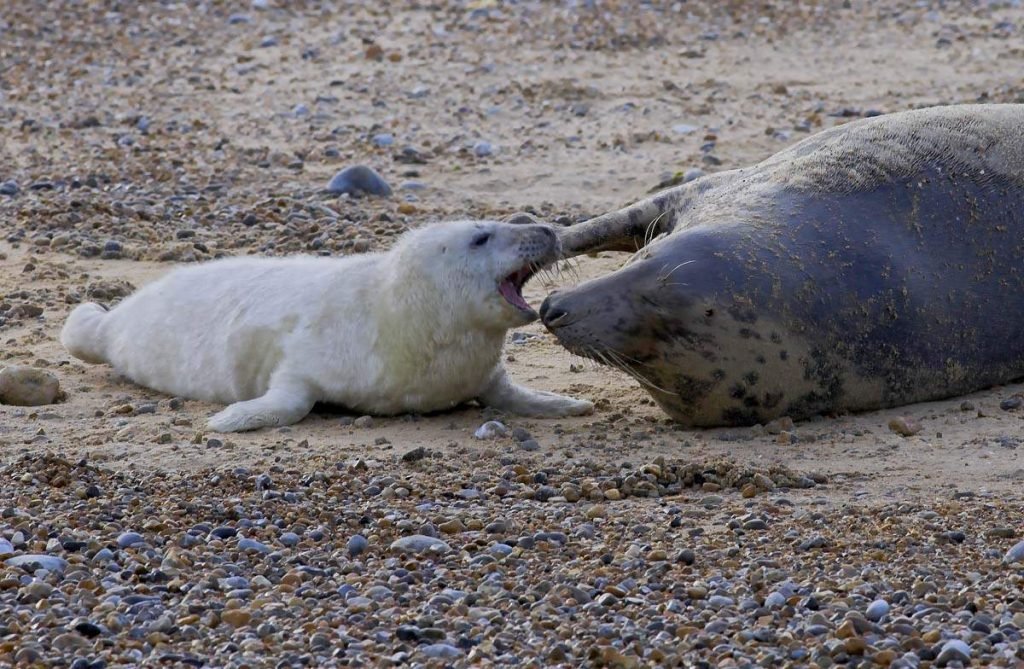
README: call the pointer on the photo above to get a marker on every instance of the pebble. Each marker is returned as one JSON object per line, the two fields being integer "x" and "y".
{"x": 1012, "y": 403}
{"x": 483, "y": 149}
{"x": 441, "y": 651}
{"x": 363, "y": 422}
{"x": 246, "y": 544}
{"x": 1015, "y": 554}
{"x": 357, "y": 545}
{"x": 905, "y": 426}
{"x": 128, "y": 539}
{"x": 693, "y": 174}
{"x": 47, "y": 562}
{"x": 289, "y": 539}
{"x": 6, "y": 547}
{"x": 358, "y": 180}
{"x": 877, "y": 610}
{"x": 419, "y": 543}
{"x": 28, "y": 386}
{"x": 9, "y": 188}
{"x": 492, "y": 429}
{"x": 383, "y": 139}
{"x": 954, "y": 650}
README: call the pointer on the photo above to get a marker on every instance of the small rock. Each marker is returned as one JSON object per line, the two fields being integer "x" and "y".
{"x": 358, "y": 180}
{"x": 415, "y": 455}
{"x": 1015, "y": 554}
{"x": 47, "y": 562}
{"x": 357, "y": 545}
{"x": 684, "y": 129}
{"x": 442, "y": 651}
{"x": 6, "y": 548}
{"x": 289, "y": 539}
{"x": 419, "y": 543}
{"x": 9, "y": 188}
{"x": 236, "y": 617}
{"x": 453, "y": 526}
{"x": 1012, "y": 403}
{"x": 954, "y": 650}
{"x": 784, "y": 424}
{"x": 483, "y": 149}
{"x": 129, "y": 539}
{"x": 363, "y": 422}
{"x": 905, "y": 426}
{"x": 88, "y": 629}
{"x": 223, "y": 532}
{"x": 383, "y": 139}
{"x": 877, "y": 610}
{"x": 247, "y": 544}
{"x": 28, "y": 386}
{"x": 492, "y": 429}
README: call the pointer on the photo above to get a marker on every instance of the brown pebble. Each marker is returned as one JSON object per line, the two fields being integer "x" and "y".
{"x": 905, "y": 426}
{"x": 236, "y": 617}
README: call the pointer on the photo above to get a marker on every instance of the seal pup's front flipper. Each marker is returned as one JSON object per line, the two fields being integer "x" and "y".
{"x": 504, "y": 395}
{"x": 282, "y": 404}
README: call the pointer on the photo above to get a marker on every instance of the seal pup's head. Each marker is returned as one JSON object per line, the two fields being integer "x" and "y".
{"x": 474, "y": 271}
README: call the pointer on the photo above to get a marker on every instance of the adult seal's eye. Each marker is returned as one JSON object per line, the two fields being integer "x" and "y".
{"x": 481, "y": 239}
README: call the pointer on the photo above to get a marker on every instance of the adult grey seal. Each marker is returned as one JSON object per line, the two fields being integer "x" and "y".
{"x": 871, "y": 265}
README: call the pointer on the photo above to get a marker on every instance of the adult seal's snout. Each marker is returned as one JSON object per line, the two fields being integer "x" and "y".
{"x": 550, "y": 312}
{"x": 871, "y": 265}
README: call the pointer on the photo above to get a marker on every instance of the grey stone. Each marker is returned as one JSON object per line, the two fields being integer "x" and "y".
{"x": 953, "y": 650}
{"x": 1015, "y": 554}
{"x": 247, "y": 544}
{"x": 28, "y": 386}
{"x": 877, "y": 610}
{"x": 357, "y": 545}
{"x": 129, "y": 539}
{"x": 419, "y": 543}
{"x": 48, "y": 562}
{"x": 442, "y": 651}
{"x": 358, "y": 180}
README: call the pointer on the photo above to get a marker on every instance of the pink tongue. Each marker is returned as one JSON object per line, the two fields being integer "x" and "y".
{"x": 509, "y": 292}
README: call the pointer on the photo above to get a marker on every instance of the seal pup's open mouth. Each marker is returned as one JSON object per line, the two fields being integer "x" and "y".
{"x": 511, "y": 288}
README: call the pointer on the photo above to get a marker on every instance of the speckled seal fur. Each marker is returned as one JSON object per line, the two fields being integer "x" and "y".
{"x": 874, "y": 264}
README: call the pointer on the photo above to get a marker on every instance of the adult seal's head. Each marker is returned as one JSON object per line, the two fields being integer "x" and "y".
{"x": 874, "y": 264}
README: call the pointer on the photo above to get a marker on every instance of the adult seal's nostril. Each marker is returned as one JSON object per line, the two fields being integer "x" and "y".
{"x": 551, "y": 314}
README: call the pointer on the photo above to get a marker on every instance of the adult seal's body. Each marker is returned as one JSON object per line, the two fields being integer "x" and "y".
{"x": 872, "y": 265}
{"x": 417, "y": 329}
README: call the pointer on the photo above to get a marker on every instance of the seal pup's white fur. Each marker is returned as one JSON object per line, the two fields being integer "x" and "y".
{"x": 417, "y": 329}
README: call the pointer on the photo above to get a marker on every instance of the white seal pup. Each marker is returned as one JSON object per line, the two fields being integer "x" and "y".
{"x": 417, "y": 329}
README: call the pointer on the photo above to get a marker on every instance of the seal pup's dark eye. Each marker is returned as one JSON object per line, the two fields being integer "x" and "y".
{"x": 481, "y": 239}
